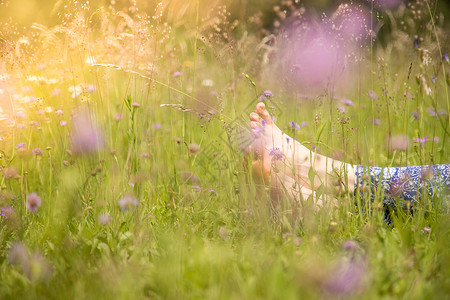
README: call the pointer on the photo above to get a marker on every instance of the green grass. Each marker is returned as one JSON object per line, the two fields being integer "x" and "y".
{"x": 219, "y": 235}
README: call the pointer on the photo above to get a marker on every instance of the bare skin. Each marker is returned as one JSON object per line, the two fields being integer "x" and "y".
{"x": 284, "y": 163}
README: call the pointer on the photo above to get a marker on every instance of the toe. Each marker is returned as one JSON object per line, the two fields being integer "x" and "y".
{"x": 254, "y": 117}
{"x": 255, "y": 125}
{"x": 262, "y": 112}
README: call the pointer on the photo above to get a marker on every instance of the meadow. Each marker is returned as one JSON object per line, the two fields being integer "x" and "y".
{"x": 123, "y": 174}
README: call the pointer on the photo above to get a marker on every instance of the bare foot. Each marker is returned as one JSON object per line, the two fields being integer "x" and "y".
{"x": 284, "y": 163}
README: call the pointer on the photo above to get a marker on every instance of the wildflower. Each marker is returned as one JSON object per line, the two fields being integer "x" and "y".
{"x": 90, "y": 88}
{"x": 86, "y": 136}
{"x": 268, "y": 93}
{"x": 194, "y": 148}
{"x": 196, "y": 188}
{"x": 265, "y": 94}
{"x": 20, "y": 145}
{"x": 212, "y": 192}
{"x": 33, "y": 202}
{"x": 118, "y": 117}
{"x": 18, "y": 254}
{"x": 415, "y": 115}
{"x": 135, "y": 104}
{"x": 346, "y": 277}
{"x": 426, "y": 230}
{"x": 76, "y": 90}
{"x": 66, "y": 163}
{"x": 276, "y": 154}
{"x": 445, "y": 57}
{"x": 37, "y": 151}
{"x": 431, "y": 112}
{"x": 288, "y": 140}
{"x": 177, "y": 74}
{"x": 350, "y": 245}
{"x": 62, "y": 123}
{"x": 20, "y": 115}
{"x": 347, "y": 102}
{"x": 372, "y": 95}
{"x": 59, "y": 112}
{"x": 433, "y": 79}
{"x": 212, "y": 112}
{"x": 376, "y": 121}
{"x": 416, "y": 43}
{"x": 104, "y": 219}
{"x": 189, "y": 177}
{"x": 421, "y": 140}
{"x": 294, "y": 125}
{"x": 156, "y": 126}
{"x": 436, "y": 139}
{"x": 128, "y": 202}
{"x": 6, "y": 211}
{"x": 399, "y": 142}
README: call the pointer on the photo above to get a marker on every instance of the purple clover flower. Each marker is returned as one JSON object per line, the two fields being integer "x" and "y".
{"x": 86, "y": 136}
{"x": 90, "y": 88}
{"x": 265, "y": 94}
{"x": 156, "y": 126}
{"x": 445, "y": 57}
{"x": 422, "y": 140}
{"x": 20, "y": 145}
{"x": 33, "y": 202}
{"x": 269, "y": 93}
{"x": 276, "y": 154}
{"x": 37, "y": 151}
{"x": 346, "y": 278}
{"x": 372, "y": 95}
{"x": 348, "y": 102}
{"x": 128, "y": 202}
{"x": 6, "y": 211}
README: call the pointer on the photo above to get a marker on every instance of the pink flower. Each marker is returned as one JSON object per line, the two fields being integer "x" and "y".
{"x": 33, "y": 202}
{"x": 37, "y": 151}
{"x": 177, "y": 74}
{"x": 86, "y": 136}
{"x": 128, "y": 202}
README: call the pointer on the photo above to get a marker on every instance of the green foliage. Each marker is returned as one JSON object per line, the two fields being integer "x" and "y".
{"x": 164, "y": 208}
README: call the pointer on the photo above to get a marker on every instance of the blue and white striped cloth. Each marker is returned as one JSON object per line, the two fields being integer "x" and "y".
{"x": 398, "y": 185}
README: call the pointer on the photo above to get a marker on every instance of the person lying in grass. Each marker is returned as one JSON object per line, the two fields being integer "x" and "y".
{"x": 285, "y": 164}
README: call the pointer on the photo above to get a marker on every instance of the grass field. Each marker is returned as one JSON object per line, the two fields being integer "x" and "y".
{"x": 122, "y": 164}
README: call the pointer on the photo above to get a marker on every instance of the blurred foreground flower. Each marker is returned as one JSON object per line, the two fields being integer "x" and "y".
{"x": 35, "y": 266}
{"x": 128, "y": 202}
{"x": 399, "y": 142}
{"x": 346, "y": 278}
{"x": 33, "y": 202}
{"x": 86, "y": 136}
